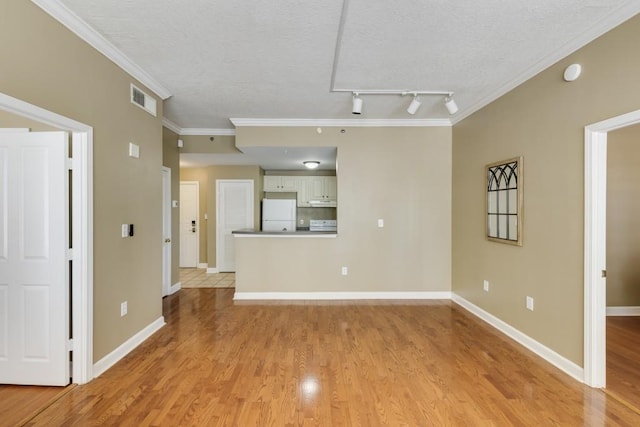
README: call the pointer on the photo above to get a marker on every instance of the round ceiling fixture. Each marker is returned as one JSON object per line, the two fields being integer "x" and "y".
{"x": 572, "y": 72}
{"x": 311, "y": 164}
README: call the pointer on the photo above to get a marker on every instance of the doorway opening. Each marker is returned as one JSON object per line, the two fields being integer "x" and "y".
{"x": 595, "y": 195}
{"x": 81, "y": 210}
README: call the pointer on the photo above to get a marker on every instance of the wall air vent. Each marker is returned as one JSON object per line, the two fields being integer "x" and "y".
{"x": 142, "y": 100}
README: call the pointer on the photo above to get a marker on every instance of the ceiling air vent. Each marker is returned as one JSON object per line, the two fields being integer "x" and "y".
{"x": 142, "y": 100}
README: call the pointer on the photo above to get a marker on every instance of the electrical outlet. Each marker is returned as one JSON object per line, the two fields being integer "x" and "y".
{"x": 345, "y": 271}
{"x": 380, "y": 223}
{"x": 529, "y": 303}
{"x": 485, "y": 286}
{"x": 123, "y": 309}
{"x": 302, "y": 222}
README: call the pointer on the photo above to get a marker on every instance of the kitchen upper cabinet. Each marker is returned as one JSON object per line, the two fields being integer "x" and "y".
{"x": 276, "y": 183}
{"x": 323, "y": 188}
{"x": 320, "y": 189}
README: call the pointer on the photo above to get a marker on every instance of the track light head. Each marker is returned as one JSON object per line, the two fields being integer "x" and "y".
{"x": 415, "y": 104}
{"x": 357, "y": 104}
{"x": 451, "y": 105}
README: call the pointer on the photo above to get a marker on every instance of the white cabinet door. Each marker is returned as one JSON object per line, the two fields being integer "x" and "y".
{"x": 316, "y": 187}
{"x": 271, "y": 183}
{"x": 34, "y": 271}
{"x": 289, "y": 183}
{"x": 331, "y": 187}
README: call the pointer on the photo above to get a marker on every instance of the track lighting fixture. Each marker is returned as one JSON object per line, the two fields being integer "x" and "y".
{"x": 451, "y": 105}
{"x": 357, "y": 104}
{"x": 311, "y": 164}
{"x": 415, "y": 104}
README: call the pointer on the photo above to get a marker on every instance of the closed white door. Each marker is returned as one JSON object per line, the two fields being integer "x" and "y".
{"x": 34, "y": 239}
{"x": 166, "y": 231}
{"x": 189, "y": 223}
{"x": 234, "y": 212}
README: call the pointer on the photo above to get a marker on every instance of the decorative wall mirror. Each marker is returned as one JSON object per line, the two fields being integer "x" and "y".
{"x": 504, "y": 201}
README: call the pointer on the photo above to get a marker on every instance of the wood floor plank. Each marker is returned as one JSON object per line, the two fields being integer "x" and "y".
{"x": 363, "y": 363}
{"x": 623, "y": 359}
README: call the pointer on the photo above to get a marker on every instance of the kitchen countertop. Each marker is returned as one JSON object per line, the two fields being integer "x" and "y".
{"x": 250, "y": 232}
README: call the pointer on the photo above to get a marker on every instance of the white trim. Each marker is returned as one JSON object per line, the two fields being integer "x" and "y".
{"x": 623, "y": 311}
{"x": 171, "y": 126}
{"x": 82, "y": 225}
{"x": 175, "y": 288}
{"x": 80, "y": 28}
{"x": 595, "y": 196}
{"x": 207, "y": 131}
{"x": 622, "y": 14}
{"x": 202, "y": 265}
{"x": 126, "y": 347}
{"x": 562, "y": 363}
{"x": 417, "y": 295}
{"x": 166, "y": 221}
{"x": 212, "y": 270}
{"x": 343, "y": 122}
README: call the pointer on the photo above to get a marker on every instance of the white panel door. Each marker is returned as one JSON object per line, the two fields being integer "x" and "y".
{"x": 34, "y": 238}
{"x": 234, "y": 212}
{"x": 166, "y": 231}
{"x": 189, "y": 224}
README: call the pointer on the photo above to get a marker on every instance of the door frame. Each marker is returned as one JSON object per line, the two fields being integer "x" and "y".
{"x": 166, "y": 226}
{"x": 198, "y": 219}
{"x": 252, "y": 205}
{"x": 595, "y": 244}
{"x": 81, "y": 199}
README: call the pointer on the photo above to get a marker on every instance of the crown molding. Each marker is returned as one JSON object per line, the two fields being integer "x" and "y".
{"x": 207, "y": 131}
{"x": 76, "y": 25}
{"x": 342, "y": 122}
{"x": 614, "y": 19}
{"x": 171, "y": 126}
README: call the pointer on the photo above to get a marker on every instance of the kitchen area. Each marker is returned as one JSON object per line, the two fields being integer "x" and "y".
{"x": 296, "y": 203}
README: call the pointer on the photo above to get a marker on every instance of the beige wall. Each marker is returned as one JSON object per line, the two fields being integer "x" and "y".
{"x": 203, "y": 144}
{"x": 171, "y": 159}
{"x": 8, "y": 120}
{"x": 542, "y": 120}
{"x": 46, "y": 65}
{"x": 402, "y": 175}
{"x": 623, "y": 217}
{"x": 200, "y": 175}
{"x": 229, "y": 172}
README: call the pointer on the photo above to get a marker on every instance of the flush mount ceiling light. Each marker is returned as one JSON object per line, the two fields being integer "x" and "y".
{"x": 357, "y": 104}
{"x": 415, "y": 104}
{"x": 312, "y": 164}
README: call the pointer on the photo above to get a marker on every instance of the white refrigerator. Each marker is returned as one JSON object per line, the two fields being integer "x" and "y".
{"x": 279, "y": 214}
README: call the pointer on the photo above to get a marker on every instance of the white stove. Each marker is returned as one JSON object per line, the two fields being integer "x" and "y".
{"x": 323, "y": 225}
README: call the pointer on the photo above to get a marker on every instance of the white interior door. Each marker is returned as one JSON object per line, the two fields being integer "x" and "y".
{"x": 234, "y": 212}
{"x": 189, "y": 226}
{"x": 34, "y": 238}
{"x": 166, "y": 231}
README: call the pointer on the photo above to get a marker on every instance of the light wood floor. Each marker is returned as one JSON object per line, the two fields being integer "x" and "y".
{"x": 329, "y": 364}
{"x": 623, "y": 359}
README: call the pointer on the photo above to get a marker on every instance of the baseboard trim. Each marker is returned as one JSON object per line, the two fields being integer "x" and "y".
{"x": 623, "y": 311}
{"x": 341, "y": 295}
{"x": 203, "y": 265}
{"x": 212, "y": 270}
{"x": 560, "y": 362}
{"x": 175, "y": 288}
{"x": 116, "y": 355}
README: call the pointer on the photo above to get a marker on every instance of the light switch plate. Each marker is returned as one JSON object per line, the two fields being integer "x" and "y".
{"x": 380, "y": 223}
{"x": 134, "y": 150}
{"x": 174, "y": 203}
{"x": 529, "y": 303}
{"x": 125, "y": 230}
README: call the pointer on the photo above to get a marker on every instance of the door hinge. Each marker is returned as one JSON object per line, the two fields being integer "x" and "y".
{"x": 70, "y": 345}
{"x": 69, "y": 254}
{"x": 604, "y": 273}
{"x": 70, "y": 164}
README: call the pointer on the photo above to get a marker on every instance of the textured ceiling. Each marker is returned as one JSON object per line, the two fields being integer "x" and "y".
{"x": 274, "y": 59}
